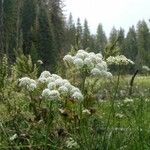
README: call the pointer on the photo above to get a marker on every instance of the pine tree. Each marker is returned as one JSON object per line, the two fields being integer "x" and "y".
{"x": 45, "y": 40}
{"x": 113, "y": 35}
{"x": 71, "y": 32}
{"x": 86, "y": 35}
{"x": 1, "y": 28}
{"x": 121, "y": 41}
{"x": 101, "y": 39}
{"x": 131, "y": 44}
{"x": 79, "y": 34}
{"x": 143, "y": 40}
{"x": 28, "y": 17}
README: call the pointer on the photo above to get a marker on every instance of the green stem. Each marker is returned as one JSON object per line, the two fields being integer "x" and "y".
{"x": 112, "y": 109}
{"x": 49, "y": 122}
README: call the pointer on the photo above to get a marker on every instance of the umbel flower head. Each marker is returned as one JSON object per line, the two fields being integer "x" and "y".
{"x": 50, "y": 94}
{"x": 93, "y": 62}
{"x": 145, "y": 68}
{"x": 58, "y": 88}
{"x": 119, "y": 60}
{"x": 54, "y": 86}
{"x": 28, "y": 83}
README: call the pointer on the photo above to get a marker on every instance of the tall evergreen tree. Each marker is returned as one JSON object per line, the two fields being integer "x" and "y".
{"x": 1, "y": 28}
{"x": 79, "y": 34}
{"x": 28, "y": 17}
{"x": 46, "y": 48}
{"x": 131, "y": 44}
{"x": 143, "y": 40}
{"x": 101, "y": 39}
{"x": 86, "y": 35}
{"x": 121, "y": 41}
{"x": 71, "y": 32}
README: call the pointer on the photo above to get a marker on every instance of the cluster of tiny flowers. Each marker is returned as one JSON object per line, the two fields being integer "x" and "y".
{"x": 28, "y": 83}
{"x": 146, "y": 68}
{"x": 40, "y": 62}
{"x": 71, "y": 143}
{"x": 58, "y": 87}
{"x": 94, "y": 62}
{"x": 119, "y": 60}
{"x": 128, "y": 100}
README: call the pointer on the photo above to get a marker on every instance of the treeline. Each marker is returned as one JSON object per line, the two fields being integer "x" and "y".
{"x": 36, "y": 27}
{"x": 135, "y": 45}
{"x": 39, "y": 28}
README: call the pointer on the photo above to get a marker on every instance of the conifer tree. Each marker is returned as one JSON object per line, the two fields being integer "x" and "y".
{"x": 79, "y": 34}
{"x": 101, "y": 39}
{"x": 131, "y": 50}
{"x": 143, "y": 38}
{"x": 86, "y": 35}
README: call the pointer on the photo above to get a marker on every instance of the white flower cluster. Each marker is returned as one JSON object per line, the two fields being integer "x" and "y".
{"x": 71, "y": 143}
{"x": 146, "y": 68}
{"x": 28, "y": 83}
{"x": 94, "y": 62}
{"x": 128, "y": 100}
{"x": 119, "y": 60}
{"x": 58, "y": 87}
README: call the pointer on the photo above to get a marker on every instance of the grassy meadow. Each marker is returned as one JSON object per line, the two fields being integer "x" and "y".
{"x": 106, "y": 116}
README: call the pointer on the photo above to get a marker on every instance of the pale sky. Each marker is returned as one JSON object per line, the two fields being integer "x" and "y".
{"x": 118, "y": 13}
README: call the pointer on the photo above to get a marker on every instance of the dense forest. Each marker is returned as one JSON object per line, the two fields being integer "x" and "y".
{"x": 40, "y": 28}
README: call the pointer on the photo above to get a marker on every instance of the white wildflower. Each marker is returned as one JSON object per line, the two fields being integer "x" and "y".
{"x": 51, "y": 85}
{"x": 24, "y": 81}
{"x": 99, "y": 55}
{"x": 40, "y": 62}
{"x": 91, "y": 61}
{"x": 50, "y": 79}
{"x": 68, "y": 86}
{"x": 63, "y": 90}
{"x": 50, "y": 94}
{"x": 81, "y": 51}
{"x": 55, "y": 76}
{"x": 32, "y": 86}
{"x": 68, "y": 58}
{"x": 95, "y": 72}
{"x": 77, "y": 96}
{"x": 119, "y": 60}
{"x": 118, "y": 115}
{"x": 45, "y": 74}
{"x": 54, "y": 95}
{"x": 101, "y": 66}
{"x": 146, "y": 68}
{"x": 98, "y": 60}
{"x": 88, "y": 62}
{"x": 128, "y": 100}
{"x": 80, "y": 55}
{"x": 42, "y": 80}
{"x": 109, "y": 75}
{"x": 92, "y": 57}
{"x": 46, "y": 93}
{"x": 78, "y": 62}
{"x": 59, "y": 82}
{"x": 12, "y": 138}
{"x": 74, "y": 89}
{"x": 65, "y": 81}
{"x": 27, "y": 83}
{"x": 70, "y": 143}
{"x": 86, "y": 111}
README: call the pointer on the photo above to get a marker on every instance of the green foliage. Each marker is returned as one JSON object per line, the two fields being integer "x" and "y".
{"x": 101, "y": 39}
{"x": 25, "y": 67}
{"x": 3, "y": 72}
{"x": 86, "y": 35}
{"x": 28, "y": 120}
